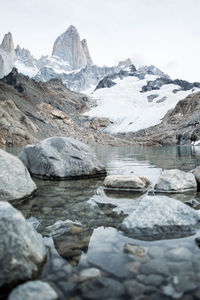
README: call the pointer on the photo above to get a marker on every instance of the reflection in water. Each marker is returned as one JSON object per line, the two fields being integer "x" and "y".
{"x": 129, "y": 268}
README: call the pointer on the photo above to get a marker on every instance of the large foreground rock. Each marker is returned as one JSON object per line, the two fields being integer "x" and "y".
{"x": 33, "y": 290}
{"x": 21, "y": 248}
{"x": 196, "y": 173}
{"x": 175, "y": 181}
{"x": 60, "y": 158}
{"x": 161, "y": 217}
{"x": 15, "y": 180}
{"x": 124, "y": 182}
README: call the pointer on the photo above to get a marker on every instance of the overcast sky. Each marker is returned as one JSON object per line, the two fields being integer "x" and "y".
{"x": 165, "y": 33}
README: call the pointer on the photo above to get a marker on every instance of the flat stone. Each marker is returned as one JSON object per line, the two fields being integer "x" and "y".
{"x": 156, "y": 267}
{"x": 61, "y": 158}
{"x": 179, "y": 254}
{"x": 158, "y": 217}
{"x": 33, "y": 290}
{"x": 175, "y": 181}
{"x": 134, "y": 288}
{"x": 156, "y": 252}
{"x": 15, "y": 180}
{"x": 128, "y": 183}
{"x": 152, "y": 279}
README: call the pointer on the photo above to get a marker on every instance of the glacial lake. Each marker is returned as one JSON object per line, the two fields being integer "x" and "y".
{"x": 80, "y": 224}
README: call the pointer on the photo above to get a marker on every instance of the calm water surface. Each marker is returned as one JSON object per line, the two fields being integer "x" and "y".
{"x": 163, "y": 269}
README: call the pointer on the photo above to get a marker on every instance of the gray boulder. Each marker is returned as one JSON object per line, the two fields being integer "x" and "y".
{"x": 161, "y": 217}
{"x": 15, "y": 180}
{"x": 33, "y": 290}
{"x": 127, "y": 183}
{"x": 175, "y": 181}
{"x": 61, "y": 158}
{"x": 196, "y": 173}
{"x": 22, "y": 251}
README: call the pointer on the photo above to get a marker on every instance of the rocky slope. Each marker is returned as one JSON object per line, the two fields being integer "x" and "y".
{"x": 30, "y": 111}
{"x": 180, "y": 125}
{"x": 7, "y": 55}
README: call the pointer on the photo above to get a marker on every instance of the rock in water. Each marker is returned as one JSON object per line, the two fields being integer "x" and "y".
{"x": 21, "y": 248}
{"x": 15, "y": 180}
{"x": 175, "y": 181}
{"x": 161, "y": 217}
{"x": 61, "y": 158}
{"x": 68, "y": 47}
{"x": 33, "y": 290}
{"x": 129, "y": 183}
{"x": 7, "y": 55}
{"x": 196, "y": 173}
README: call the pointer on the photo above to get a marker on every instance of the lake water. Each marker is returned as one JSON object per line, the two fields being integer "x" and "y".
{"x": 122, "y": 267}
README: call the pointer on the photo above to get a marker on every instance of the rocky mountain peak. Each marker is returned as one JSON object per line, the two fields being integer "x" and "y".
{"x": 7, "y": 43}
{"x": 7, "y": 55}
{"x": 87, "y": 53}
{"x": 69, "y": 48}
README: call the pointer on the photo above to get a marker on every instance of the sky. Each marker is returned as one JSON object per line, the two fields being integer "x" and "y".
{"x": 165, "y": 33}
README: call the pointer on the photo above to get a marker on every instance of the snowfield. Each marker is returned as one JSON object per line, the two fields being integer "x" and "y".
{"x": 128, "y": 109}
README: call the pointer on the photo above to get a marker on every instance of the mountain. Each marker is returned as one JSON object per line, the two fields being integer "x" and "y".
{"x": 137, "y": 99}
{"x": 70, "y": 62}
{"x": 7, "y": 55}
{"x": 70, "y": 49}
{"x": 31, "y": 111}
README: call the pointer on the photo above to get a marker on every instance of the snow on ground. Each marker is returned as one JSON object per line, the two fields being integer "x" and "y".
{"x": 28, "y": 71}
{"x": 128, "y": 109}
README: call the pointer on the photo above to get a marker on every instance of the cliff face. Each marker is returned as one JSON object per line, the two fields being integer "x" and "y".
{"x": 7, "y": 55}
{"x": 69, "y": 48}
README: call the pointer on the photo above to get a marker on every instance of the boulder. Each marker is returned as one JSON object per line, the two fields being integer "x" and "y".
{"x": 33, "y": 290}
{"x": 22, "y": 251}
{"x": 175, "y": 181}
{"x": 158, "y": 217}
{"x": 127, "y": 183}
{"x": 61, "y": 158}
{"x": 15, "y": 180}
{"x": 196, "y": 173}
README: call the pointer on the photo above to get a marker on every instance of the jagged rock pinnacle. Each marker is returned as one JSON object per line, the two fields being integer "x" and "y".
{"x": 7, "y": 55}
{"x": 69, "y": 47}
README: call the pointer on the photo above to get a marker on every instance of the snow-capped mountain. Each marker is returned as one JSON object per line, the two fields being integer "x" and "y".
{"x": 137, "y": 99}
{"x": 70, "y": 62}
{"x": 7, "y": 55}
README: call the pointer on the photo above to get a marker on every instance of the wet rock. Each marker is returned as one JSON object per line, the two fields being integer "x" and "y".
{"x": 160, "y": 217}
{"x": 135, "y": 250}
{"x": 155, "y": 266}
{"x": 133, "y": 288}
{"x": 175, "y": 181}
{"x": 156, "y": 252}
{"x": 61, "y": 158}
{"x": 152, "y": 279}
{"x": 124, "y": 182}
{"x": 22, "y": 251}
{"x": 133, "y": 267}
{"x": 89, "y": 273}
{"x": 33, "y": 290}
{"x": 15, "y": 180}
{"x": 179, "y": 254}
{"x": 101, "y": 288}
{"x": 196, "y": 173}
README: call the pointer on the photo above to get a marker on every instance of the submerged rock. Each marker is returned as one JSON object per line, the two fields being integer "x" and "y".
{"x": 175, "y": 181}
{"x": 21, "y": 248}
{"x": 15, "y": 180}
{"x": 33, "y": 290}
{"x": 129, "y": 183}
{"x": 61, "y": 158}
{"x": 161, "y": 217}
